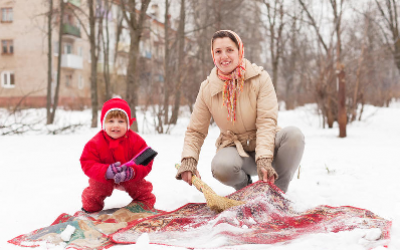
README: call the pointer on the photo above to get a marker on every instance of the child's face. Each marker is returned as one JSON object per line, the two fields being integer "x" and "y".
{"x": 116, "y": 127}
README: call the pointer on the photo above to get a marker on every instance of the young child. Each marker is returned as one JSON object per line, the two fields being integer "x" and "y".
{"x": 104, "y": 156}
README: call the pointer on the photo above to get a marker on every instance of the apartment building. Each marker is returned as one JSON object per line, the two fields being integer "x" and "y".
{"x": 24, "y": 56}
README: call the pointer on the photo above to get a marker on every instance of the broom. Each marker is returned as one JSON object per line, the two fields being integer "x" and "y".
{"x": 214, "y": 202}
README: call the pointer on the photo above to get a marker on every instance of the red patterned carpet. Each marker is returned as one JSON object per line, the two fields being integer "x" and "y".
{"x": 266, "y": 218}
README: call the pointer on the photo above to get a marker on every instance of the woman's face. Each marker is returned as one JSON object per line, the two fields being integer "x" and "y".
{"x": 226, "y": 54}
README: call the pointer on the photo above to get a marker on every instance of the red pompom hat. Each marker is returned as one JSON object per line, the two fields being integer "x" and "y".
{"x": 116, "y": 104}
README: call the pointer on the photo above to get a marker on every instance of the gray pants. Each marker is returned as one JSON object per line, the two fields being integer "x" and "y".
{"x": 231, "y": 169}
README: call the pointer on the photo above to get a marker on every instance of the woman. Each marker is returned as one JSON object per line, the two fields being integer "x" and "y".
{"x": 242, "y": 101}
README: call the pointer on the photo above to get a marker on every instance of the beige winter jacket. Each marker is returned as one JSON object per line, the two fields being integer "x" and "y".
{"x": 256, "y": 116}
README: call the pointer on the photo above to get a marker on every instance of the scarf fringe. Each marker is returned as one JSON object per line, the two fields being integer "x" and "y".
{"x": 232, "y": 87}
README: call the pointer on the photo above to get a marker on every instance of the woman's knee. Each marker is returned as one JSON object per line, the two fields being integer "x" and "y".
{"x": 293, "y": 136}
{"x": 226, "y": 164}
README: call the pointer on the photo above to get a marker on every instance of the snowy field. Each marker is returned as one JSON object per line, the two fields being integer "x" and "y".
{"x": 41, "y": 175}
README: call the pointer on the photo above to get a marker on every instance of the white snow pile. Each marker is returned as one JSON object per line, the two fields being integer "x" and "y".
{"x": 67, "y": 233}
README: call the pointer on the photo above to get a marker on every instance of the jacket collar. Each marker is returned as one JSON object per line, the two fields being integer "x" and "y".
{"x": 217, "y": 85}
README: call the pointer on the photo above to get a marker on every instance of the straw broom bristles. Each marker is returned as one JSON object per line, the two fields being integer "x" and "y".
{"x": 214, "y": 202}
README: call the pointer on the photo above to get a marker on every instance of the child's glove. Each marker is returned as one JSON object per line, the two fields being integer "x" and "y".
{"x": 112, "y": 170}
{"x": 125, "y": 174}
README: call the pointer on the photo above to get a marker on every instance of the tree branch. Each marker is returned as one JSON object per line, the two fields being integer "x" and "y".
{"x": 314, "y": 25}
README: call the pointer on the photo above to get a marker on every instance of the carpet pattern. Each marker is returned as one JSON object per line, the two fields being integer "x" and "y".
{"x": 267, "y": 217}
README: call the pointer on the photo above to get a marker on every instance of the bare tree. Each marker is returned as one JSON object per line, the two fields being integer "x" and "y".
{"x": 105, "y": 41}
{"x": 167, "y": 64}
{"x": 276, "y": 23}
{"x": 323, "y": 81}
{"x": 50, "y": 119}
{"x": 135, "y": 23}
{"x": 353, "y": 107}
{"x": 325, "y": 91}
{"x": 91, "y": 18}
{"x": 49, "y": 61}
{"x": 388, "y": 11}
{"x": 93, "y": 67}
{"x": 337, "y": 7}
{"x": 181, "y": 47}
{"x": 290, "y": 58}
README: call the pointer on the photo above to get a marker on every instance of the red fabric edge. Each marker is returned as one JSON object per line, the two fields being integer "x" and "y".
{"x": 17, "y": 244}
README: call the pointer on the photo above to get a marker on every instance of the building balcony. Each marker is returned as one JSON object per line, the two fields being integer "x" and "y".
{"x": 71, "y": 61}
{"x": 69, "y": 29}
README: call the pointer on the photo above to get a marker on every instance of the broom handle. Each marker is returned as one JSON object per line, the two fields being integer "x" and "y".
{"x": 198, "y": 183}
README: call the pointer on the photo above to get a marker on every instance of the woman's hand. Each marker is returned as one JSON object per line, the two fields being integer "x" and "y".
{"x": 265, "y": 178}
{"x": 187, "y": 176}
{"x": 265, "y": 170}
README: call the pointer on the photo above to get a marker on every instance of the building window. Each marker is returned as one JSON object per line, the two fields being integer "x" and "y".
{"x": 80, "y": 51}
{"x": 7, "y": 79}
{"x": 55, "y": 48}
{"x": 80, "y": 82}
{"x": 7, "y": 46}
{"x": 67, "y": 48}
{"x": 68, "y": 80}
{"x": 7, "y": 15}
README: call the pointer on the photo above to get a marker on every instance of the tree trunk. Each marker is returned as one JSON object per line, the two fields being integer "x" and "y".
{"x": 342, "y": 113}
{"x": 362, "y": 101}
{"x": 106, "y": 51}
{"x": 330, "y": 118}
{"x": 275, "y": 74}
{"x": 93, "y": 67}
{"x": 397, "y": 52}
{"x": 358, "y": 76}
{"x": 166, "y": 64}
{"x": 181, "y": 47}
{"x": 49, "y": 61}
{"x": 132, "y": 78}
{"x": 57, "y": 90}
{"x": 276, "y": 24}
{"x": 117, "y": 37}
{"x": 289, "y": 93}
{"x": 136, "y": 28}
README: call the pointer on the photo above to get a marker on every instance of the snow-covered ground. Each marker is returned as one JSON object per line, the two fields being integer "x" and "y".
{"x": 41, "y": 175}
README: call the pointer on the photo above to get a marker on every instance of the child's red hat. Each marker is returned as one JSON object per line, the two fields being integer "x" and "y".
{"x": 116, "y": 103}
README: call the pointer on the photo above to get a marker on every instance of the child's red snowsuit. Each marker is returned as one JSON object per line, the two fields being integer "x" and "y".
{"x": 98, "y": 154}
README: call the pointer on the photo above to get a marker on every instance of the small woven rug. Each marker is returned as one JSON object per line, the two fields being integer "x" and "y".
{"x": 91, "y": 230}
{"x": 266, "y": 218}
